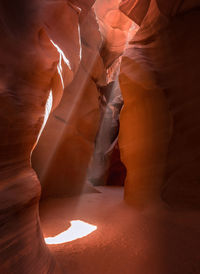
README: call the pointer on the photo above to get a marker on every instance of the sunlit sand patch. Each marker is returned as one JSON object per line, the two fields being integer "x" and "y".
{"x": 77, "y": 230}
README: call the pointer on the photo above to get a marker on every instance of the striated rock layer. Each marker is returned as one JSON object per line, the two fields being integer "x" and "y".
{"x": 36, "y": 40}
{"x": 159, "y": 134}
{"x": 66, "y": 145}
{"x": 49, "y": 45}
{"x": 115, "y": 29}
{"x": 75, "y": 128}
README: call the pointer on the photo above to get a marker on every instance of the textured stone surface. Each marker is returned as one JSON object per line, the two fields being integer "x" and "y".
{"x": 30, "y": 32}
{"x": 106, "y": 139}
{"x": 49, "y": 45}
{"x": 66, "y": 145}
{"x": 135, "y": 9}
{"x": 68, "y": 139}
{"x": 114, "y": 27}
{"x": 159, "y": 137}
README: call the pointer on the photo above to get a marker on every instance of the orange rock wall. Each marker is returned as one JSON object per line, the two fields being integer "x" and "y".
{"x": 65, "y": 148}
{"x": 159, "y": 79}
{"x": 39, "y": 53}
{"x": 45, "y": 56}
{"x": 114, "y": 27}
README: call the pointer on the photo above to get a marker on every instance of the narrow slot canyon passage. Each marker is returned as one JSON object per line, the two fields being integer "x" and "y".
{"x": 99, "y": 137}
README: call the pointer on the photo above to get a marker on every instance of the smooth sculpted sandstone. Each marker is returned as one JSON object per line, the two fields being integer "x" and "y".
{"x": 114, "y": 27}
{"x": 64, "y": 151}
{"x": 35, "y": 60}
{"x": 159, "y": 79}
{"x": 107, "y": 136}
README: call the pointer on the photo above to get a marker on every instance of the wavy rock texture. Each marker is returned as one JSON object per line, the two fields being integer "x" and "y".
{"x": 58, "y": 142}
{"x": 48, "y": 47}
{"x": 65, "y": 148}
{"x": 159, "y": 134}
{"x": 34, "y": 51}
{"x": 115, "y": 31}
{"x": 114, "y": 27}
{"x": 106, "y": 139}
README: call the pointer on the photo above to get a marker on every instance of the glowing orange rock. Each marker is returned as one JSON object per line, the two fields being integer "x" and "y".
{"x": 159, "y": 79}
{"x": 66, "y": 145}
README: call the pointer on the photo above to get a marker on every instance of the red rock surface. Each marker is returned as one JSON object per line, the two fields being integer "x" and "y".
{"x": 107, "y": 136}
{"x": 56, "y": 48}
{"x": 114, "y": 27}
{"x": 58, "y": 142}
{"x": 28, "y": 72}
{"x": 69, "y": 136}
{"x": 160, "y": 123}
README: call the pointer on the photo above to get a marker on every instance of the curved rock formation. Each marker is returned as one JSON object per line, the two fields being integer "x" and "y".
{"x": 115, "y": 30}
{"x": 35, "y": 60}
{"x": 48, "y": 47}
{"x": 114, "y": 27}
{"x": 58, "y": 142}
{"x": 159, "y": 135}
{"x": 69, "y": 135}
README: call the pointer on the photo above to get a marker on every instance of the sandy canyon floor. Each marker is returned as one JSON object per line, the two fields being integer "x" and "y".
{"x": 126, "y": 241}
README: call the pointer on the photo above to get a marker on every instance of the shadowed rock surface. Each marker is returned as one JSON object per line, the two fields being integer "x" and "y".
{"x": 159, "y": 78}
{"x": 79, "y": 56}
{"x": 29, "y": 57}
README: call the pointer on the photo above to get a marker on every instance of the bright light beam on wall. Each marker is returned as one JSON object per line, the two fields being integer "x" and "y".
{"x": 77, "y": 230}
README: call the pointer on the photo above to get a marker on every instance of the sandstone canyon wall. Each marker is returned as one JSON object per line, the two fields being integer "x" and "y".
{"x": 40, "y": 54}
{"x": 116, "y": 29}
{"x": 159, "y": 79}
{"x": 44, "y": 57}
{"x": 66, "y": 145}
{"x": 82, "y": 132}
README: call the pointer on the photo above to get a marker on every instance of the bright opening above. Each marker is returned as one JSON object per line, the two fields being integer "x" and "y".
{"x": 77, "y": 230}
